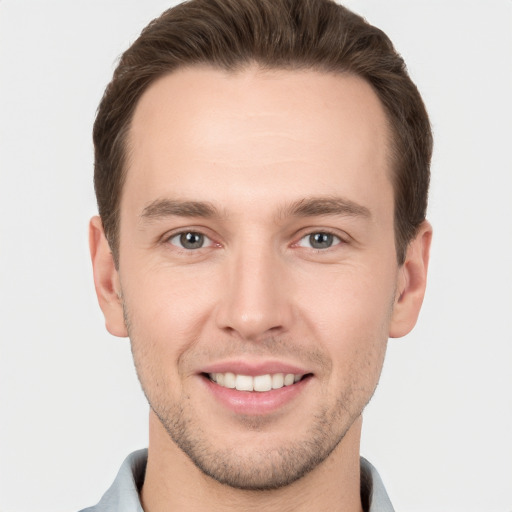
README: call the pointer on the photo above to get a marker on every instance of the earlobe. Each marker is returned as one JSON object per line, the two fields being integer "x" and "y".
{"x": 411, "y": 284}
{"x": 106, "y": 279}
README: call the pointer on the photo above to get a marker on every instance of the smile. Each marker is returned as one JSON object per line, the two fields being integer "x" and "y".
{"x": 259, "y": 383}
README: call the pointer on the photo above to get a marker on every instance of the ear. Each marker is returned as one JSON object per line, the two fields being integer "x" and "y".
{"x": 411, "y": 284}
{"x": 106, "y": 279}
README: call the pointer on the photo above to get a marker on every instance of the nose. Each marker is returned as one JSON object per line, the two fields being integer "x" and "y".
{"x": 256, "y": 300}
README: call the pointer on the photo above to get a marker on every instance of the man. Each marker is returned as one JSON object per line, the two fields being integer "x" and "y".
{"x": 262, "y": 172}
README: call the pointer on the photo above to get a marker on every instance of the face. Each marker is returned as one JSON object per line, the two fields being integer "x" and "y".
{"x": 257, "y": 265}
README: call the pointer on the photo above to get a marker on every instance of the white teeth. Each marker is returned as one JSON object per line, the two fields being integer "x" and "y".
{"x": 289, "y": 379}
{"x": 263, "y": 383}
{"x": 244, "y": 383}
{"x": 229, "y": 380}
{"x": 258, "y": 383}
{"x": 277, "y": 380}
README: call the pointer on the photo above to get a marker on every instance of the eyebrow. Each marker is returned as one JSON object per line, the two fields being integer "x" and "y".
{"x": 161, "y": 208}
{"x": 307, "y": 207}
{"x": 318, "y": 206}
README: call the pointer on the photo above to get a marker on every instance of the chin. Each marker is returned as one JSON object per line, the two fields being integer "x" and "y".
{"x": 258, "y": 460}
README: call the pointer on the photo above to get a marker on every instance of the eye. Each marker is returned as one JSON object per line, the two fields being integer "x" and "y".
{"x": 319, "y": 240}
{"x": 190, "y": 240}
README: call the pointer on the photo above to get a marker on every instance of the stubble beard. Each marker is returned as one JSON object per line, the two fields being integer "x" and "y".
{"x": 260, "y": 469}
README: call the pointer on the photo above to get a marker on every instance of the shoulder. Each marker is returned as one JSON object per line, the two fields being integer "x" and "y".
{"x": 373, "y": 493}
{"x": 123, "y": 494}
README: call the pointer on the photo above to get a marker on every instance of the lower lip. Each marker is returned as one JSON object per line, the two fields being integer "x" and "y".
{"x": 256, "y": 403}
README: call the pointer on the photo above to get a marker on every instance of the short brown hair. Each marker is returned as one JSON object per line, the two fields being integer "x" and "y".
{"x": 275, "y": 34}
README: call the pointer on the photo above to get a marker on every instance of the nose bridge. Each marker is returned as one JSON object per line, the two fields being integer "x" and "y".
{"x": 254, "y": 303}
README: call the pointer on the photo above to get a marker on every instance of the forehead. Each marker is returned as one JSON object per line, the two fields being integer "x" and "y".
{"x": 201, "y": 132}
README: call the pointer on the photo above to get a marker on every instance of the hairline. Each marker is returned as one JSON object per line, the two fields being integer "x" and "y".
{"x": 123, "y": 137}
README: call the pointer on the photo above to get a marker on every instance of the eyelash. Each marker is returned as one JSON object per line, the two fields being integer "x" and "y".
{"x": 337, "y": 240}
{"x": 168, "y": 240}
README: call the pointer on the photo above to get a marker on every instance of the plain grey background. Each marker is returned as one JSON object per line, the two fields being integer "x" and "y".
{"x": 440, "y": 426}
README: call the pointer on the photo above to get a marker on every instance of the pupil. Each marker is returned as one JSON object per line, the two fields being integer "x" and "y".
{"x": 192, "y": 240}
{"x": 321, "y": 240}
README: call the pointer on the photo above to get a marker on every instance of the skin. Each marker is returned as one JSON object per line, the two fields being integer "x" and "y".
{"x": 254, "y": 146}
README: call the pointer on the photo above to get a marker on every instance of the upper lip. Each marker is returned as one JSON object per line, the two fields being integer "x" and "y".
{"x": 253, "y": 368}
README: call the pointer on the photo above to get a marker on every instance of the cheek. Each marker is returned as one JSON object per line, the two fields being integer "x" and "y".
{"x": 350, "y": 299}
{"x": 167, "y": 294}
{"x": 166, "y": 310}
{"x": 351, "y": 317}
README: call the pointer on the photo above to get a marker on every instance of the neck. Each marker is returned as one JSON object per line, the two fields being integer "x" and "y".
{"x": 173, "y": 482}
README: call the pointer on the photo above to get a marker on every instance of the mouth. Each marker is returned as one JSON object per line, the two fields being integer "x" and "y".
{"x": 256, "y": 383}
{"x": 256, "y": 388}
